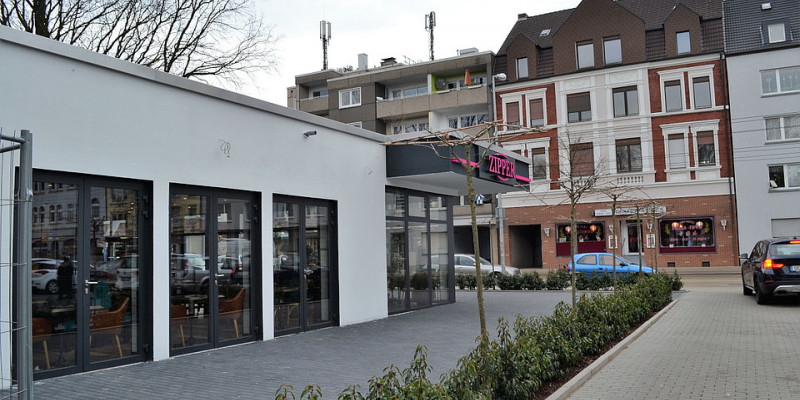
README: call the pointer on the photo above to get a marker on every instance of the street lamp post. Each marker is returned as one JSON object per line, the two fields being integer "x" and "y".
{"x": 500, "y": 212}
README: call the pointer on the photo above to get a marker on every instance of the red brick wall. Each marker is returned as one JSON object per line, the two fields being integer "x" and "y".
{"x": 716, "y": 207}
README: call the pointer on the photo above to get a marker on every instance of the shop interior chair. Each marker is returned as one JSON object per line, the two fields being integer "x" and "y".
{"x": 178, "y": 316}
{"x": 42, "y": 329}
{"x": 231, "y": 308}
{"x": 109, "y": 323}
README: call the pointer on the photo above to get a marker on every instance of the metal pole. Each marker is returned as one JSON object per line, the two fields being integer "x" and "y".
{"x": 23, "y": 271}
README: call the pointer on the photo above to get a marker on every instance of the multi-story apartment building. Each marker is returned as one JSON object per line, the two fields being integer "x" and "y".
{"x": 762, "y": 44}
{"x": 396, "y": 98}
{"x": 633, "y": 92}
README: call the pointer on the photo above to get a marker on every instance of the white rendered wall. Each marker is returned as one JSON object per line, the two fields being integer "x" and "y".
{"x": 96, "y": 115}
{"x": 757, "y": 204}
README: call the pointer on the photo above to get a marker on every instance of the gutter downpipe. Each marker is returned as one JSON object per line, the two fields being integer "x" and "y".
{"x": 731, "y": 182}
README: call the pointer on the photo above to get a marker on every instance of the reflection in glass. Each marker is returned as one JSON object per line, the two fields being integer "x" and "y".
{"x": 439, "y": 264}
{"x": 114, "y": 274}
{"x": 317, "y": 270}
{"x": 233, "y": 268}
{"x": 54, "y": 268}
{"x": 188, "y": 271}
{"x": 286, "y": 265}
{"x": 418, "y": 264}
{"x": 416, "y": 206}
{"x": 396, "y": 264}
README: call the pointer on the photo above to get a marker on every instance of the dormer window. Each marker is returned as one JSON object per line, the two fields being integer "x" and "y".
{"x": 585, "y": 51}
{"x": 684, "y": 43}
{"x": 776, "y": 33}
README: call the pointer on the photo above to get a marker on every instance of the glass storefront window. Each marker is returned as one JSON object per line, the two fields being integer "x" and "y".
{"x": 591, "y": 238}
{"x": 686, "y": 233}
{"x": 418, "y": 252}
{"x": 416, "y": 206}
{"x": 395, "y": 205}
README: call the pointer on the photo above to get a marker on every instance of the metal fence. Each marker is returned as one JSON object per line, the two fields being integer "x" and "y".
{"x": 16, "y": 369}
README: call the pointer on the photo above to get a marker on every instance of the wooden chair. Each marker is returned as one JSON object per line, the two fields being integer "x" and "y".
{"x": 42, "y": 329}
{"x": 231, "y": 308}
{"x": 178, "y": 316}
{"x": 109, "y": 323}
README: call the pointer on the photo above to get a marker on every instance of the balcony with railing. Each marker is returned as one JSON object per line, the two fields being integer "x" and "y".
{"x": 315, "y": 105}
{"x": 403, "y": 107}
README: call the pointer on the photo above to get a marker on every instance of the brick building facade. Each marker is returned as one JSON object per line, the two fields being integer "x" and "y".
{"x": 639, "y": 86}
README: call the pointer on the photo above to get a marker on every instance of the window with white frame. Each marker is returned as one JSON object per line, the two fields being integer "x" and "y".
{"x": 408, "y": 127}
{"x": 676, "y": 146}
{"x": 780, "y": 80}
{"x": 784, "y": 176}
{"x": 629, "y": 155}
{"x": 407, "y": 92}
{"x": 522, "y": 67}
{"x": 626, "y": 101}
{"x": 776, "y": 32}
{"x": 684, "y": 42}
{"x": 464, "y": 121}
{"x": 536, "y": 112}
{"x": 579, "y": 107}
{"x": 512, "y": 114}
{"x": 350, "y": 97}
{"x": 538, "y": 163}
{"x": 783, "y": 128}
{"x": 673, "y": 96}
{"x": 612, "y": 50}
{"x": 585, "y": 54}
{"x": 701, "y": 90}
{"x": 706, "y": 150}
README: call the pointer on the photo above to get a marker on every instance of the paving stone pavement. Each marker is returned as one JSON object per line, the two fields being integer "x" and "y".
{"x": 714, "y": 343}
{"x": 332, "y": 358}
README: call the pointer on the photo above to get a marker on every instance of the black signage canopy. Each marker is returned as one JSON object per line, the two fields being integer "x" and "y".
{"x": 435, "y": 169}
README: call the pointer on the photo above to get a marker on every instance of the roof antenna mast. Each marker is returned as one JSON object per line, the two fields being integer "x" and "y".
{"x": 430, "y": 22}
{"x": 325, "y": 35}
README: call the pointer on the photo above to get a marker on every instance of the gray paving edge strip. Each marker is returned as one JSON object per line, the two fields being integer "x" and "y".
{"x": 578, "y": 380}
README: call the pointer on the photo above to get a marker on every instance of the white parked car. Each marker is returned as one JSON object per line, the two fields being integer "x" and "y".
{"x": 465, "y": 264}
{"x": 45, "y": 274}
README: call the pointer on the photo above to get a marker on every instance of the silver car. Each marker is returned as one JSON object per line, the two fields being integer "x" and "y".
{"x": 465, "y": 264}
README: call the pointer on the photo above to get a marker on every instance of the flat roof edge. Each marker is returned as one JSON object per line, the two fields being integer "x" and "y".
{"x": 79, "y": 54}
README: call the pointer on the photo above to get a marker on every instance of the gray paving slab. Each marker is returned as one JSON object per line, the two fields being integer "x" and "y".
{"x": 332, "y": 358}
{"x": 714, "y": 343}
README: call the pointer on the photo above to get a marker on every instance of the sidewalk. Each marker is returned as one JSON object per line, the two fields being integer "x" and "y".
{"x": 333, "y": 358}
{"x": 713, "y": 343}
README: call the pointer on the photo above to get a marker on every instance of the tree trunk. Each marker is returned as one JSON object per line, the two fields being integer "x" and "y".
{"x": 468, "y": 168}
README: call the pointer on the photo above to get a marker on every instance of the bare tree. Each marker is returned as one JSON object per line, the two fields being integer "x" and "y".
{"x": 616, "y": 193}
{"x": 200, "y": 39}
{"x": 458, "y": 145}
{"x": 580, "y": 176}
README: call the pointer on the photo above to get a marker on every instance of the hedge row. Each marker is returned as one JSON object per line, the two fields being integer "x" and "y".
{"x": 525, "y": 354}
{"x": 555, "y": 280}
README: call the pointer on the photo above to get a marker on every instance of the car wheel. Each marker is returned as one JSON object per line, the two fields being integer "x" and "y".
{"x": 761, "y": 297}
{"x": 51, "y": 287}
{"x": 746, "y": 290}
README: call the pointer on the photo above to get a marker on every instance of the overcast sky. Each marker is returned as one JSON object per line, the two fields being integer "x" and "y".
{"x": 381, "y": 29}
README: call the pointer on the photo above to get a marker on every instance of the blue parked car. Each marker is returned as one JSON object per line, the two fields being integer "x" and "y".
{"x": 597, "y": 263}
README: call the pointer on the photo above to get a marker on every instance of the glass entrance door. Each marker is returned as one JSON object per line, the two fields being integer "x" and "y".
{"x": 303, "y": 270}
{"x": 87, "y": 260}
{"x": 211, "y": 301}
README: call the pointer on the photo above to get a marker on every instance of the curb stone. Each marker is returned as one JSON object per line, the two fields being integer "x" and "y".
{"x": 578, "y": 380}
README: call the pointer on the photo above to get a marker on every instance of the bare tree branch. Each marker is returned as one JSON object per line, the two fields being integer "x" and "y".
{"x": 225, "y": 39}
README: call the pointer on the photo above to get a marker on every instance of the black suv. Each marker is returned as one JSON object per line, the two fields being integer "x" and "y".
{"x": 772, "y": 269}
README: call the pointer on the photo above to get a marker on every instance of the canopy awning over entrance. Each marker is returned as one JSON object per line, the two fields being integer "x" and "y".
{"x": 435, "y": 169}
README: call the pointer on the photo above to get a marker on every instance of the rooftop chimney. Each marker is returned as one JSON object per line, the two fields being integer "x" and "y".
{"x": 362, "y": 62}
{"x": 388, "y": 61}
{"x": 522, "y": 17}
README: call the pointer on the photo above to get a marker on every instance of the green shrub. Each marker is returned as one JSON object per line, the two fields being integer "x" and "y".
{"x": 558, "y": 279}
{"x": 581, "y": 281}
{"x": 489, "y": 281}
{"x": 509, "y": 282}
{"x": 532, "y": 281}
{"x": 466, "y": 281}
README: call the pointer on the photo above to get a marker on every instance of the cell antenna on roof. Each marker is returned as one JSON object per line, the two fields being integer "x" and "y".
{"x": 430, "y": 22}
{"x": 325, "y": 35}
